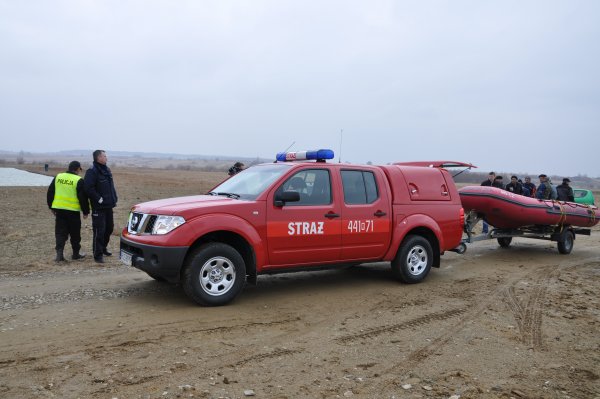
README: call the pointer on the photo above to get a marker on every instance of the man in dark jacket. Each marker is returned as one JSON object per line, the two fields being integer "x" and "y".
{"x": 529, "y": 186}
{"x": 100, "y": 188}
{"x": 66, "y": 198}
{"x": 514, "y": 186}
{"x": 490, "y": 180}
{"x": 564, "y": 191}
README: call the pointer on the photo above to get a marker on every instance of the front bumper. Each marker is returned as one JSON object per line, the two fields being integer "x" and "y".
{"x": 159, "y": 262}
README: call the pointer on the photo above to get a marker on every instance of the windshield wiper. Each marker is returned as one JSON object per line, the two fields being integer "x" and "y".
{"x": 229, "y": 195}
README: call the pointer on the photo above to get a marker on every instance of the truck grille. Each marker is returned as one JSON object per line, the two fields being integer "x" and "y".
{"x": 141, "y": 223}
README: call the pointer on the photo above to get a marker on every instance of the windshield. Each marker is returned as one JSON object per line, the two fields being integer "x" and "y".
{"x": 251, "y": 182}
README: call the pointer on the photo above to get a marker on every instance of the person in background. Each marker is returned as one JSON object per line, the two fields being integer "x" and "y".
{"x": 544, "y": 190}
{"x": 564, "y": 191}
{"x": 100, "y": 189}
{"x": 236, "y": 168}
{"x": 66, "y": 198}
{"x": 498, "y": 182}
{"x": 528, "y": 185}
{"x": 488, "y": 182}
{"x": 514, "y": 186}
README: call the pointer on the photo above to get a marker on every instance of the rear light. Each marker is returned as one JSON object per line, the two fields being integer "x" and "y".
{"x": 462, "y": 217}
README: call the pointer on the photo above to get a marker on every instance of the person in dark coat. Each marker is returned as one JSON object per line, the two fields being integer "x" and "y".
{"x": 100, "y": 188}
{"x": 236, "y": 168}
{"x": 490, "y": 180}
{"x": 529, "y": 186}
{"x": 66, "y": 198}
{"x": 493, "y": 182}
{"x": 564, "y": 191}
{"x": 514, "y": 186}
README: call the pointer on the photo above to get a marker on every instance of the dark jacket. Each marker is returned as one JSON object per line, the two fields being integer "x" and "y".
{"x": 99, "y": 187}
{"x": 531, "y": 188}
{"x": 81, "y": 196}
{"x": 516, "y": 188}
{"x": 565, "y": 193}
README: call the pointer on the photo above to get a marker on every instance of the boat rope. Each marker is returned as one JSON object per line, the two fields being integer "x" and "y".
{"x": 563, "y": 213}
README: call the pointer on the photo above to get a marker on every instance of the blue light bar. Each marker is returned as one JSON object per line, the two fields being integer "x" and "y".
{"x": 304, "y": 155}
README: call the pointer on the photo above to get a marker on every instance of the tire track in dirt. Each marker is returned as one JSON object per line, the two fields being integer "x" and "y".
{"x": 468, "y": 316}
{"x": 168, "y": 331}
{"x": 529, "y": 315}
{"x": 266, "y": 355}
{"x": 419, "y": 321}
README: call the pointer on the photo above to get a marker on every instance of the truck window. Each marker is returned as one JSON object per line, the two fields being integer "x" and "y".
{"x": 251, "y": 182}
{"x": 360, "y": 187}
{"x": 314, "y": 186}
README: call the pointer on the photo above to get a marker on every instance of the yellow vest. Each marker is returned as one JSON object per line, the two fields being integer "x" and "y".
{"x": 65, "y": 192}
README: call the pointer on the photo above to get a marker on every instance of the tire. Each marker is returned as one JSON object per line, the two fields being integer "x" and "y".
{"x": 214, "y": 274}
{"x": 413, "y": 261}
{"x": 565, "y": 242}
{"x": 504, "y": 242}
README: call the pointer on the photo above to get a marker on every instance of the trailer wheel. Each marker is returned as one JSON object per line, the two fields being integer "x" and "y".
{"x": 214, "y": 274}
{"x": 504, "y": 242}
{"x": 413, "y": 261}
{"x": 565, "y": 242}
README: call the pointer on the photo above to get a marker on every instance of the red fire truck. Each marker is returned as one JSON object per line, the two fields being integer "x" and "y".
{"x": 298, "y": 213}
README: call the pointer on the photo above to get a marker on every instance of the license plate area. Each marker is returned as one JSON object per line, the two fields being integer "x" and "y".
{"x": 126, "y": 258}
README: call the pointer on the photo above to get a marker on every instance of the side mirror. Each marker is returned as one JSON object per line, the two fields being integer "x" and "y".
{"x": 286, "y": 196}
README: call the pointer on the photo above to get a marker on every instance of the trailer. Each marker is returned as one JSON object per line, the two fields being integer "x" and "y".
{"x": 563, "y": 234}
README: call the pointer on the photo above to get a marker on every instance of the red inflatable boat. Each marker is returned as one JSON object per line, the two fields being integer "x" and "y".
{"x": 506, "y": 210}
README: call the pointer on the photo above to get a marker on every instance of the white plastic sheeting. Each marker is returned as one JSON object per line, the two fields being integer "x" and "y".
{"x": 11, "y": 177}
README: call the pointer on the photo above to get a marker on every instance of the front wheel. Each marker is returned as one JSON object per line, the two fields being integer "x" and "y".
{"x": 414, "y": 260}
{"x": 214, "y": 274}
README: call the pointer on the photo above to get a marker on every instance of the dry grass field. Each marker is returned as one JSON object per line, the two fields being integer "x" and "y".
{"x": 521, "y": 322}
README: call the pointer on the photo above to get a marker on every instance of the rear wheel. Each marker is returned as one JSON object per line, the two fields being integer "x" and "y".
{"x": 214, "y": 274}
{"x": 414, "y": 260}
{"x": 565, "y": 242}
{"x": 504, "y": 242}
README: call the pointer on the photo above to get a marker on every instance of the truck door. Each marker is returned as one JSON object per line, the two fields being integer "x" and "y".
{"x": 366, "y": 215}
{"x": 306, "y": 231}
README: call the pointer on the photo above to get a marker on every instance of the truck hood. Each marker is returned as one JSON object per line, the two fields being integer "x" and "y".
{"x": 187, "y": 207}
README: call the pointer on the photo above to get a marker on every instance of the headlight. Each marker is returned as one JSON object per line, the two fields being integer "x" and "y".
{"x": 165, "y": 224}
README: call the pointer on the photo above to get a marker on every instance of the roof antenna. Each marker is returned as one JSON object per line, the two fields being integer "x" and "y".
{"x": 290, "y": 146}
{"x": 341, "y": 137}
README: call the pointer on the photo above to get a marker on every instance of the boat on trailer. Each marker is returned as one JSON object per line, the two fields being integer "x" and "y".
{"x": 513, "y": 215}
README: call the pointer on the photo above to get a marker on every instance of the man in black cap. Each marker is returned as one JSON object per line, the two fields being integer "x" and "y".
{"x": 564, "y": 191}
{"x": 514, "y": 186}
{"x": 66, "y": 198}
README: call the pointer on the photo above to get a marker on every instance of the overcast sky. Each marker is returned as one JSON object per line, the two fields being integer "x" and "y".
{"x": 506, "y": 85}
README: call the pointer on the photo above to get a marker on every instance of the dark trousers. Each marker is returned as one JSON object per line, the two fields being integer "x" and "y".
{"x": 103, "y": 225}
{"x": 68, "y": 223}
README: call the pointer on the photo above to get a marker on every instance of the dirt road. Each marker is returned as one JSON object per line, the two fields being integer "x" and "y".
{"x": 520, "y": 322}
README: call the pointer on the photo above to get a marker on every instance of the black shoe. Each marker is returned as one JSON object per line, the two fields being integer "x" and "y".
{"x": 106, "y": 253}
{"x": 59, "y": 256}
{"x": 77, "y": 256}
{"x": 99, "y": 260}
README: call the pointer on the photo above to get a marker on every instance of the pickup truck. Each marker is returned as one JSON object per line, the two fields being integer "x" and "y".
{"x": 297, "y": 216}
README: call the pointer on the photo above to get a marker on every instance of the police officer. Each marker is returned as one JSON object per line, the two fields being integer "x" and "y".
{"x": 100, "y": 188}
{"x": 66, "y": 198}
